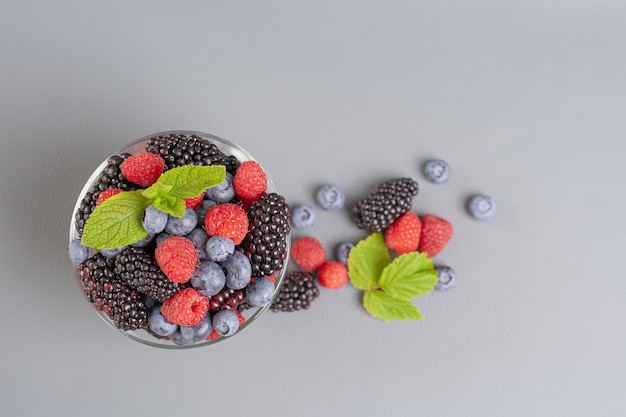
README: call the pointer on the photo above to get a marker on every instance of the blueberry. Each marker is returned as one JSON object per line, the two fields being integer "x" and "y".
{"x": 302, "y": 216}
{"x": 199, "y": 332}
{"x": 199, "y": 238}
{"x": 225, "y": 322}
{"x": 238, "y": 270}
{"x": 437, "y": 171}
{"x": 78, "y": 253}
{"x": 259, "y": 292}
{"x": 144, "y": 242}
{"x": 331, "y": 197}
{"x": 208, "y": 278}
{"x": 482, "y": 207}
{"x": 178, "y": 338}
{"x": 158, "y": 324}
{"x": 343, "y": 251}
{"x": 112, "y": 253}
{"x": 154, "y": 220}
{"x": 224, "y": 192}
{"x": 219, "y": 248}
{"x": 161, "y": 237}
{"x": 202, "y": 209}
{"x": 446, "y": 277}
{"x": 180, "y": 226}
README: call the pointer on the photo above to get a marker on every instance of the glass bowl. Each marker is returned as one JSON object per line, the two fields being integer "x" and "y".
{"x": 143, "y": 335}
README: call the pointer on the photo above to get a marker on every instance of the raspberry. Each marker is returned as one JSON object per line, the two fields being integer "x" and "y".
{"x": 143, "y": 169}
{"x": 308, "y": 253}
{"x": 332, "y": 274}
{"x": 227, "y": 220}
{"x": 109, "y": 192}
{"x": 177, "y": 258}
{"x": 187, "y": 307}
{"x": 436, "y": 232}
{"x": 194, "y": 202}
{"x": 403, "y": 236}
{"x": 250, "y": 182}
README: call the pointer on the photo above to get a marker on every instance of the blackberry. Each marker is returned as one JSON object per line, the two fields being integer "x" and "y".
{"x": 297, "y": 292}
{"x": 179, "y": 149}
{"x": 227, "y": 299}
{"x": 138, "y": 269}
{"x": 124, "y": 306}
{"x": 265, "y": 244}
{"x": 385, "y": 204}
{"x": 110, "y": 177}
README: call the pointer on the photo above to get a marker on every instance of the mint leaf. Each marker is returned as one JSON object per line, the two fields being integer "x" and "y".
{"x": 116, "y": 222}
{"x": 170, "y": 205}
{"x": 367, "y": 261}
{"x": 157, "y": 190}
{"x": 408, "y": 276}
{"x": 383, "y": 306}
{"x": 189, "y": 181}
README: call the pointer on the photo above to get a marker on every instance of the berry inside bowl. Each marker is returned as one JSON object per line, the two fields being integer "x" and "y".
{"x": 180, "y": 240}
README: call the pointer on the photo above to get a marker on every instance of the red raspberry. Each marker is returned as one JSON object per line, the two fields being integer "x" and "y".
{"x": 214, "y": 335}
{"x": 308, "y": 253}
{"x": 332, "y": 274}
{"x": 403, "y": 236}
{"x": 250, "y": 182}
{"x": 227, "y": 220}
{"x": 143, "y": 169}
{"x": 436, "y": 232}
{"x": 186, "y": 307}
{"x": 109, "y": 192}
{"x": 177, "y": 258}
{"x": 194, "y": 202}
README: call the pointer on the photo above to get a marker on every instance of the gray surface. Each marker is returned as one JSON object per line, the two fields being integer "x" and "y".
{"x": 526, "y": 102}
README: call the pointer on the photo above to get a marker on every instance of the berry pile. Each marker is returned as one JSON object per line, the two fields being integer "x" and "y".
{"x": 190, "y": 277}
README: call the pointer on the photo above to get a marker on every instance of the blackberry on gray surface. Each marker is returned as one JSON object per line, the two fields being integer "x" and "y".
{"x": 110, "y": 177}
{"x": 180, "y": 149}
{"x": 138, "y": 268}
{"x": 297, "y": 292}
{"x": 266, "y": 241}
{"x": 123, "y": 305}
{"x": 385, "y": 204}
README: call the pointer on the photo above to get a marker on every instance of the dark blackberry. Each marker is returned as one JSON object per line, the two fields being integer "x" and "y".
{"x": 140, "y": 271}
{"x": 385, "y": 204}
{"x": 179, "y": 149}
{"x": 266, "y": 241}
{"x": 124, "y": 306}
{"x": 110, "y": 177}
{"x": 297, "y": 292}
{"x": 227, "y": 299}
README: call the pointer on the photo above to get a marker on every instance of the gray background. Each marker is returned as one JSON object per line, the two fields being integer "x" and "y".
{"x": 526, "y": 101}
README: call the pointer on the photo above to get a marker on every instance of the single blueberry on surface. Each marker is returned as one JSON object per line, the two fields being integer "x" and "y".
{"x": 446, "y": 278}
{"x": 180, "y": 226}
{"x": 343, "y": 251}
{"x": 259, "y": 292}
{"x": 219, "y": 248}
{"x": 199, "y": 238}
{"x": 224, "y": 192}
{"x": 238, "y": 270}
{"x": 330, "y": 197}
{"x": 437, "y": 171}
{"x": 154, "y": 220}
{"x": 199, "y": 332}
{"x": 303, "y": 216}
{"x": 78, "y": 253}
{"x": 225, "y": 322}
{"x": 482, "y": 207}
{"x": 208, "y": 278}
{"x": 158, "y": 324}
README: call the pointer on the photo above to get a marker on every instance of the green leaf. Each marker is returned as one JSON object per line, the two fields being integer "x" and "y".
{"x": 386, "y": 308}
{"x": 156, "y": 190}
{"x": 189, "y": 181}
{"x": 170, "y": 205}
{"x": 367, "y": 261}
{"x": 116, "y": 222}
{"x": 408, "y": 276}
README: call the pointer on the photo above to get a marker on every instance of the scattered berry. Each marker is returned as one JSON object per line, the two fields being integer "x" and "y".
{"x": 186, "y": 308}
{"x": 436, "y": 232}
{"x": 78, "y": 253}
{"x": 331, "y": 197}
{"x": 403, "y": 236}
{"x": 332, "y": 274}
{"x": 193, "y": 202}
{"x": 104, "y": 195}
{"x": 224, "y": 192}
{"x": 238, "y": 270}
{"x": 437, "y": 171}
{"x": 343, "y": 251}
{"x": 177, "y": 258}
{"x": 219, "y": 248}
{"x": 259, "y": 292}
{"x": 227, "y": 220}
{"x": 482, "y": 207}
{"x": 208, "y": 278}
{"x": 303, "y": 216}
{"x": 446, "y": 278}
{"x": 143, "y": 169}
{"x": 180, "y": 226}
{"x": 250, "y": 182}
{"x": 225, "y": 322}
{"x": 297, "y": 292}
{"x": 158, "y": 324}
{"x": 385, "y": 204}
{"x": 308, "y": 253}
